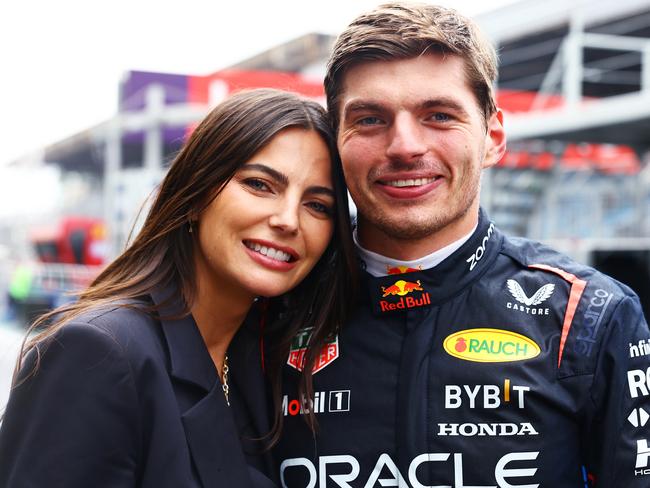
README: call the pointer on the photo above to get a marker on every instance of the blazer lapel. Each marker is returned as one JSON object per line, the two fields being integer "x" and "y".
{"x": 248, "y": 395}
{"x": 247, "y": 380}
{"x": 214, "y": 443}
{"x": 209, "y": 427}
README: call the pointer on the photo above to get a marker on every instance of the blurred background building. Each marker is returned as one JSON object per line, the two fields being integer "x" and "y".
{"x": 574, "y": 83}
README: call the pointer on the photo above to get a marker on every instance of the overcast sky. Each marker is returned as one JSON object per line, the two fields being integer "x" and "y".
{"x": 61, "y": 60}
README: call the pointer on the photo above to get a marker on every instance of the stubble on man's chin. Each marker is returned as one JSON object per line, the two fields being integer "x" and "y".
{"x": 410, "y": 229}
{"x": 407, "y": 230}
{"x": 415, "y": 231}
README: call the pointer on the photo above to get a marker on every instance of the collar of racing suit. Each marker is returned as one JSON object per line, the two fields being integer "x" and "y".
{"x": 397, "y": 293}
{"x": 378, "y": 265}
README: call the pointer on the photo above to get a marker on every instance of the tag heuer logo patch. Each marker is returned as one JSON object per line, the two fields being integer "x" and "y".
{"x": 298, "y": 349}
{"x": 541, "y": 295}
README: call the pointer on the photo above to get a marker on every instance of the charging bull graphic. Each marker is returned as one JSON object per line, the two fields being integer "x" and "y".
{"x": 402, "y": 288}
{"x": 398, "y": 290}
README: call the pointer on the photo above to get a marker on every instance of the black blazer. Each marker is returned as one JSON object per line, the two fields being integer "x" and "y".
{"x": 120, "y": 399}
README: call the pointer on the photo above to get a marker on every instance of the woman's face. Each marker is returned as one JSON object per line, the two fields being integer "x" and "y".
{"x": 272, "y": 222}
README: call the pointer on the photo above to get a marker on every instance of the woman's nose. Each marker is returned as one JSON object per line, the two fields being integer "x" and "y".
{"x": 285, "y": 217}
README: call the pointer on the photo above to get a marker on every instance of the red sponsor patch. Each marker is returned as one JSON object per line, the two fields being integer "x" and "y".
{"x": 328, "y": 354}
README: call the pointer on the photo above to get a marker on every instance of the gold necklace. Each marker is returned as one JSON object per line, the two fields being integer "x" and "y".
{"x": 224, "y": 380}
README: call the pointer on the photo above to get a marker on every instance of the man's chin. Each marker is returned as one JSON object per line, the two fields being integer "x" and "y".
{"x": 413, "y": 227}
{"x": 410, "y": 230}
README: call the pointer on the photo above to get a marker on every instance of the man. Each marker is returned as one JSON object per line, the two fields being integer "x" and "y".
{"x": 473, "y": 360}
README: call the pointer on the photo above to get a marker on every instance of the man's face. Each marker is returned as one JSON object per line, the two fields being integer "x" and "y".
{"x": 413, "y": 143}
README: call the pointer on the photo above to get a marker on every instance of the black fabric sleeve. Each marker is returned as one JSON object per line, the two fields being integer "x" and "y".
{"x": 74, "y": 421}
{"x": 618, "y": 444}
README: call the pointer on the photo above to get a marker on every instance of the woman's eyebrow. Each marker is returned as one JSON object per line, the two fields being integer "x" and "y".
{"x": 275, "y": 174}
{"x": 284, "y": 179}
{"x": 320, "y": 190}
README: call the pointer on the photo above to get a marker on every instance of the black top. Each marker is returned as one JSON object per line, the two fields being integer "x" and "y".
{"x": 120, "y": 399}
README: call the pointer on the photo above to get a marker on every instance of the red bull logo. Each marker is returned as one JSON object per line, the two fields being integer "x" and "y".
{"x": 393, "y": 270}
{"x": 401, "y": 288}
{"x": 329, "y": 352}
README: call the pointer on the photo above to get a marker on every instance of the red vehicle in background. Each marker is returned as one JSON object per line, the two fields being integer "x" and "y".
{"x": 68, "y": 257}
{"x": 75, "y": 240}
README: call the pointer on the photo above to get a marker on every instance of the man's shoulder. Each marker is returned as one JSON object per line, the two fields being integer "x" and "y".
{"x": 529, "y": 252}
{"x": 589, "y": 305}
{"x": 534, "y": 255}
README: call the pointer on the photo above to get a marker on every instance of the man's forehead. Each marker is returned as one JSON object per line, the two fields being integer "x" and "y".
{"x": 414, "y": 80}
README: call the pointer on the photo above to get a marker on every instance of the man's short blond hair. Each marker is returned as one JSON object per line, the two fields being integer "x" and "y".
{"x": 406, "y": 30}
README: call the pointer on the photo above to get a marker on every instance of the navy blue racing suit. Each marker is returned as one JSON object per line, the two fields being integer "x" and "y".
{"x": 507, "y": 365}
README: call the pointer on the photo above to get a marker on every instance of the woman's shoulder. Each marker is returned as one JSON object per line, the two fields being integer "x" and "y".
{"x": 123, "y": 328}
{"x": 117, "y": 315}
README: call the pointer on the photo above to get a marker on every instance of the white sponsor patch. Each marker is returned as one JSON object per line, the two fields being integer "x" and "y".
{"x": 484, "y": 429}
{"x": 638, "y": 381}
{"x": 541, "y": 295}
{"x": 480, "y": 250}
{"x": 386, "y": 472}
{"x": 642, "y": 348}
{"x": 485, "y": 396}
{"x": 639, "y": 417}
{"x": 323, "y": 401}
{"x": 642, "y": 457}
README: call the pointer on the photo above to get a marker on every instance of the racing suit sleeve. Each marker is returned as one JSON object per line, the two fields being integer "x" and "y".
{"x": 72, "y": 422}
{"x": 617, "y": 442}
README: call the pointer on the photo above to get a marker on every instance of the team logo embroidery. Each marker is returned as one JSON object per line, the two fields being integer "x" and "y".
{"x": 401, "y": 289}
{"x": 540, "y": 296}
{"x": 329, "y": 352}
{"x": 639, "y": 417}
{"x": 480, "y": 250}
{"x": 490, "y": 346}
{"x": 393, "y": 270}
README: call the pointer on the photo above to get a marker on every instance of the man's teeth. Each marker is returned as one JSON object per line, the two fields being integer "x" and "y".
{"x": 412, "y": 182}
{"x": 269, "y": 252}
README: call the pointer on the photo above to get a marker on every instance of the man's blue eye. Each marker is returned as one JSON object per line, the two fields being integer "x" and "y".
{"x": 370, "y": 121}
{"x": 440, "y": 117}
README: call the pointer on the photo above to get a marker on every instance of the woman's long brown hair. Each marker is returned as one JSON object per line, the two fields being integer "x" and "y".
{"x": 162, "y": 253}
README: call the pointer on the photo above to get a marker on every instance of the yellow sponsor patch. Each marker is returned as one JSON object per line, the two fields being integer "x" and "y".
{"x": 490, "y": 346}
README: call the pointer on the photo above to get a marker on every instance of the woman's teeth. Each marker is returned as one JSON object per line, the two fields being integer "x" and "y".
{"x": 269, "y": 252}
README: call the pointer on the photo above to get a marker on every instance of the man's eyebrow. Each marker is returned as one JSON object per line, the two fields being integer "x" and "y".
{"x": 444, "y": 102}
{"x": 275, "y": 174}
{"x": 370, "y": 106}
{"x": 362, "y": 105}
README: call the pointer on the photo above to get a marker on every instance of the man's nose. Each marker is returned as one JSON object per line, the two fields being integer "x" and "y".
{"x": 407, "y": 140}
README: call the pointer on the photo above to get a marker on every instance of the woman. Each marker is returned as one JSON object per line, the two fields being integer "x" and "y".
{"x": 129, "y": 386}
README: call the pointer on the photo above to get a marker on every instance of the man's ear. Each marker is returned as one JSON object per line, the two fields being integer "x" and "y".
{"x": 495, "y": 140}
